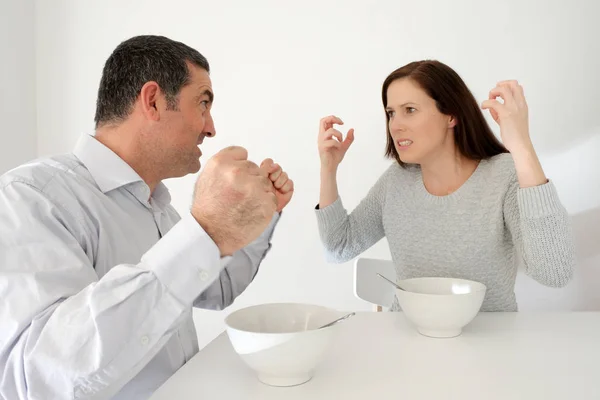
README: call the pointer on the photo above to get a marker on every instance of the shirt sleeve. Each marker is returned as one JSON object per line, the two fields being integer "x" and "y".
{"x": 345, "y": 236}
{"x": 68, "y": 334}
{"x": 541, "y": 232}
{"x": 239, "y": 272}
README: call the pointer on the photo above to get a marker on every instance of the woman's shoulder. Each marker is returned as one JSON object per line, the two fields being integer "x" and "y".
{"x": 397, "y": 172}
{"x": 499, "y": 168}
{"x": 396, "y": 175}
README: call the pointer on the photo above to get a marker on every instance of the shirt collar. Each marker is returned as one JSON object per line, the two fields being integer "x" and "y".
{"x": 110, "y": 171}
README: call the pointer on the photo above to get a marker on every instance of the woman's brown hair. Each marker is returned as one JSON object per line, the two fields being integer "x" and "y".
{"x": 472, "y": 134}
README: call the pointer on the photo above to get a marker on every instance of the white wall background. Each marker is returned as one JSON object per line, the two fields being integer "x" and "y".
{"x": 17, "y": 83}
{"x": 278, "y": 67}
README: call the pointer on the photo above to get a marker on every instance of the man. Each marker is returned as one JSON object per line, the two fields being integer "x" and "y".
{"x": 98, "y": 273}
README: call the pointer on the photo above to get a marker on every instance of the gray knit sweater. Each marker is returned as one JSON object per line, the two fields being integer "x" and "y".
{"x": 482, "y": 231}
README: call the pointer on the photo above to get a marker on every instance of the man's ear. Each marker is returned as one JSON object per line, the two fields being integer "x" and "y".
{"x": 149, "y": 97}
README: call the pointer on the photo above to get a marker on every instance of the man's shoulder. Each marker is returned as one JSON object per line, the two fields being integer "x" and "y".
{"x": 47, "y": 174}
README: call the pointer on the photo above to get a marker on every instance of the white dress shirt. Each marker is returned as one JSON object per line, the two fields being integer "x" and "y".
{"x": 98, "y": 279}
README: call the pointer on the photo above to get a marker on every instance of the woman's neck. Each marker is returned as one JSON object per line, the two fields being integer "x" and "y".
{"x": 446, "y": 173}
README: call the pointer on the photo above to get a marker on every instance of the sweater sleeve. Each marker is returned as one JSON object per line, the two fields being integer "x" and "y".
{"x": 541, "y": 231}
{"x": 347, "y": 236}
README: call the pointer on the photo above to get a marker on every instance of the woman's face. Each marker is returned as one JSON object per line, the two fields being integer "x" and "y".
{"x": 419, "y": 130}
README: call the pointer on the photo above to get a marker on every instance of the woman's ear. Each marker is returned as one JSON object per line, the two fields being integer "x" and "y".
{"x": 451, "y": 122}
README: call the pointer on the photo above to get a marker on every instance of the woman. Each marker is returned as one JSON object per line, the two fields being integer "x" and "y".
{"x": 456, "y": 202}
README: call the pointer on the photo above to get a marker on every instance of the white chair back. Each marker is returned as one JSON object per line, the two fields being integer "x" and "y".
{"x": 371, "y": 288}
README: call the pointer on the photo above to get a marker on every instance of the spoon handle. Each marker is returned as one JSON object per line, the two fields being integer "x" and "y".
{"x": 392, "y": 282}
{"x": 337, "y": 320}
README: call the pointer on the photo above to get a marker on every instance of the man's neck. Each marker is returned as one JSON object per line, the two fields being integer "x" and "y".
{"x": 122, "y": 140}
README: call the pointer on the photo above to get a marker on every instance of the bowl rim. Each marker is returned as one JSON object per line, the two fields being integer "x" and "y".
{"x": 480, "y": 287}
{"x": 317, "y": 306}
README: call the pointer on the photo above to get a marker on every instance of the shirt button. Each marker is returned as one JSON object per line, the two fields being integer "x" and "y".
{"x": 145, "y": 340}
{"x": 203, "y": 276}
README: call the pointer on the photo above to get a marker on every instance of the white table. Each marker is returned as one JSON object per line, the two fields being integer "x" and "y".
{"x": 508, "y": 356}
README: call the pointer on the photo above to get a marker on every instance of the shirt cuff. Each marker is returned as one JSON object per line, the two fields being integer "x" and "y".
{"x": 331, "y": 215}
{"x": 186, "y": 260}
{"x": 268, "y": 232}
{"x": 539, "y": 201}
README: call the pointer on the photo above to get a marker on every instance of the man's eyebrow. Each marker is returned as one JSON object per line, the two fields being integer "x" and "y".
{"x": 210, "y": 95}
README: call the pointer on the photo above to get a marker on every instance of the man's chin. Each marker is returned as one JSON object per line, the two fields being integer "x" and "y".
{"x": 195, "y": 167}
{"x": 191, "y": 168}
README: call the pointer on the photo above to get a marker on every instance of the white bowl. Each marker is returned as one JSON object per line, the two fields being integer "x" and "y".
{"x": 440, "y": 307}
{"x": 280, "y": 341}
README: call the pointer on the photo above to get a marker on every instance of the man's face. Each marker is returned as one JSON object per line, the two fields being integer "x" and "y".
{"x": 184, "y": 128}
